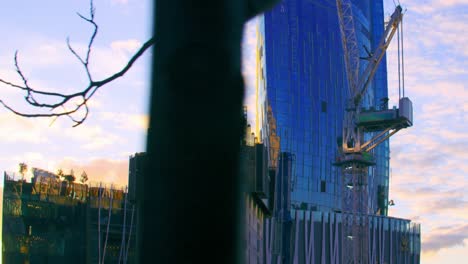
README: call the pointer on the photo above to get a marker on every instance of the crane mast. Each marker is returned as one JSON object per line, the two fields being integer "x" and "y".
{"x": 355, "y": 157}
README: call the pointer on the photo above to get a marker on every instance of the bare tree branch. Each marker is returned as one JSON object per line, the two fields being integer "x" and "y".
{"x": 62, "y": 99}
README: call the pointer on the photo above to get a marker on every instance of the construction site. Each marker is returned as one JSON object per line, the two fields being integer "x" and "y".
{"x": 48, "y": 220}
{"x": 323, "y": 114}
{"x": 315, "y": 168}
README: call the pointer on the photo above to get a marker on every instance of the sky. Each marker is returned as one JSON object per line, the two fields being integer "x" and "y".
{"x": 117, "y": 122}
{"x": 429, "y": 162}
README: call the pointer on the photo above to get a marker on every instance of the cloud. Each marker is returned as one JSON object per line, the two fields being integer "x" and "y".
{"x": 50, "y": 66}
{"x": 432, "y": 200}
{"x": 445, "y": 237}
{"x": 429, "y": 160}
{"x": 92, "y": 137}
{"x": 109, "y": 59}
{"x": 51, "y": 56}
{"x": 103, "y": 170}
{"x": 120, "y": 2}
{"x": 17, "y": 129}
{"x": 127, "y": 121}
{"x": 249, "y": 67}
{"x": 435, "y": 5}
{"x": 130, "y": 45}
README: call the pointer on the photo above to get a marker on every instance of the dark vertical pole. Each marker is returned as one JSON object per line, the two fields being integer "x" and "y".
{"x": 189, "y": 196}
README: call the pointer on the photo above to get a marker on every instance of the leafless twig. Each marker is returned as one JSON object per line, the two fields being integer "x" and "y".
{"x": 61, "y": 99}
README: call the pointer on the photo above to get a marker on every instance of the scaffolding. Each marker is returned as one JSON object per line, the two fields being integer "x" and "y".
{"x": 52, "y": 221}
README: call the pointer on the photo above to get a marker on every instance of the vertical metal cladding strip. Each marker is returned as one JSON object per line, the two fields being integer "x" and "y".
{"x": 333, "y": 236}
{"x": 306, "y": 239}
{"x": 375, "y": 226}
{"x": 418, "y": 243}
{"x": 272, "y": 238}
{"x": 409, "y": 249}
{"x": 330, "y": 228}
{"x": 337, "y": 241}
{"x": 403, "y": 237}
{"x": 324, "y": 260}
{"x": 312, "y": 238}
{"x": 266, "y": 241}
{"x": 398, "y": 242}
{"x": 296, "y": 239}
{"x": 369, "y": 254}
{"x": 404, "y": 248}
{"x": 391, "y": 242}
{"x": 261, "y": 235}
{"x": 415, "y": 246}
{"x": 379, "y": 239}
{"x": 276, "y": 239}
{"x": 412, "y": 250}
{"x": 382, "y": 240}
{"x": 374, "y": 246}
{"x": 343, "y": 228}
{"x": 404, "y": 251}
{"x": 411, "y": 234}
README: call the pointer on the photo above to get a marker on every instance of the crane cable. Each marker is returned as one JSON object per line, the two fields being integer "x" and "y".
{"x": 402, "y": 58}
{"x": 399, "y": 63}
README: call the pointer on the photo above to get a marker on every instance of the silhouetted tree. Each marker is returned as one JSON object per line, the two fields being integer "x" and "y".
{"x": 70, "y": 177}
{"x": 59, "y": 104}
{"x": 60, "y": 173}
{"x": 23, "y": 168}
{"x": 84, "y": 177}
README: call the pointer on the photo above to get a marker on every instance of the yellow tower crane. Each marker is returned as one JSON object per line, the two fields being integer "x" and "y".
{"x": 355, "y": 157}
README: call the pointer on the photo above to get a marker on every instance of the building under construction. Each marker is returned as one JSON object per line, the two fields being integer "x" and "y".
{"x": 48, "y": 220}
{"x": 322, "y": 113}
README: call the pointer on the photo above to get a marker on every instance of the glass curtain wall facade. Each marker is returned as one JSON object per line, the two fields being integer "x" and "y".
{"x": 301, "y": 93}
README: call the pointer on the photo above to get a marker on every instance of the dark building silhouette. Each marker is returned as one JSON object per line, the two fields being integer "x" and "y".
{"x": 258, "y": 185}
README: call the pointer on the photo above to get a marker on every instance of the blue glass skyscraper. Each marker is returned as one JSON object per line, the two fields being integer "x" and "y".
{"x": 301, "y": 93}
